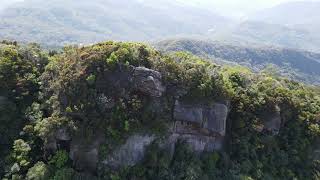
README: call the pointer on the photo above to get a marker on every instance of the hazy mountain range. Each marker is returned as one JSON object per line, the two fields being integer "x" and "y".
{"x": 297, "y": 65}
{"x": 57, "y": 22}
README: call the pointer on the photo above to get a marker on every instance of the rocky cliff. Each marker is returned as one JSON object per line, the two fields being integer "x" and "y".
{"x": 125, "y": 111}
{"x": 202, "y": 127}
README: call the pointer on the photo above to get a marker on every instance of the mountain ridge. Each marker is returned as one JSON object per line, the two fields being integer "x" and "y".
{"x": 299, "y": 65}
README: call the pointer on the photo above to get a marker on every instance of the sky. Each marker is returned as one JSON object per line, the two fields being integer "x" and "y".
{"x": 238, "y": 8}
{"x": 4, "y": 3}
{"x": 232, "y": 8}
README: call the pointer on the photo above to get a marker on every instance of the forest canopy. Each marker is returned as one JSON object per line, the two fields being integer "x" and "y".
{"x": 44, "y": 92}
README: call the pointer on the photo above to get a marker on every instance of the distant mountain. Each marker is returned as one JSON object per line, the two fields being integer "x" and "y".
{"x": 288, "y": 25}
{"x": 299, "y": 65}
{"x": 255, "y": 32}
{"x": 301, "y": 13}
{"x": 59, "y": 22}
{"x": 56, "y": 22}
{"x": 292, "y": 25}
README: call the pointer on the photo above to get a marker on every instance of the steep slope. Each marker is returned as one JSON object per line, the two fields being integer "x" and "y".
{"x": 56, "y": 22}
{"x": 123, "y": 111}
{"x": 298, "y": 65}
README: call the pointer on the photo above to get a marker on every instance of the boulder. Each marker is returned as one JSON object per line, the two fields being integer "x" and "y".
{"x": 127, "y": 78}
{"x": 202, "y": 127}
{"x": 148, "y": 81}
{"x": 212, "y": 118}
{"x": 131, "y": 152}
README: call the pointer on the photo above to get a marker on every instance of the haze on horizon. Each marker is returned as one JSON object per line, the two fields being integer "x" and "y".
{"x": 239, "y": 8}
{"x": 230, "y": 8}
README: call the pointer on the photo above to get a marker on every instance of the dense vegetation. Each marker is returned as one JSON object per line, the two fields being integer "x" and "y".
{"x": 294, "y": 64}
{"x": 44, "y": 91}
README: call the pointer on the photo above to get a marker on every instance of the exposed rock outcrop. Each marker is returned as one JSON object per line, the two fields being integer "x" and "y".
{"x": 126, "y": 79}
{"x": 211, "y": 118}
{"x": 148, "y": 81}
{"x": 198, "y": 143}
{"x": 202, "y": 127}
{"x": 131, "y": 152}
{"x": 188, "y": 113}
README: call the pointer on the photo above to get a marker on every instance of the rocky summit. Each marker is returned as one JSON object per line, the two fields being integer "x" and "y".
{"x": 126, "y": 111}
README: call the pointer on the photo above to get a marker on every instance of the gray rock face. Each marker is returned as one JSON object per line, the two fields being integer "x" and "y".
{"x": 215, "y": 118}
{"x": 210, "y": 118}
{"x": 131, "y": 152}
{"x": 85, "y": 155}
{"x": 188, "y": 113}
{"x": 126, "y": 79}
{"x": 148, "y": 81}
{"x": 198, "y": 143}
{"x": 202, "y": 127}
{"x": 272, "y": 120}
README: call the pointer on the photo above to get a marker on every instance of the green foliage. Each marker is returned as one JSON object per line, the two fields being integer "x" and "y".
{"x": 182, "y": 164}
{"x": 39, "y": 171}
{"x": 91, "y": 79}
{"x": 20, "y": 68}
{"x": 74, "y": 92}
{"x": 64, "y": 174}
{"x": 202, "y": 79}
{"x": 290, "y": 63}
{"x": 60, "y": 159}
{"x": 21, "y": 151}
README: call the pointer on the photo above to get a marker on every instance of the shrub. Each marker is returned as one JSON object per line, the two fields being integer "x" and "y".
{"x": 38, "y": 172}
{"x": 60, "y": 159}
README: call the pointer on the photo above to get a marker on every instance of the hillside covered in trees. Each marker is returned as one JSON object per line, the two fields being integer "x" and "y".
{"x": 62, "y": 22}
{"x": 125, "y": 111}
{"x": 297, "y": 65}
